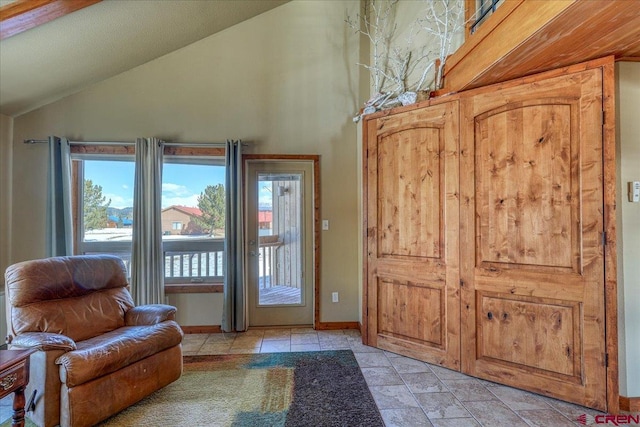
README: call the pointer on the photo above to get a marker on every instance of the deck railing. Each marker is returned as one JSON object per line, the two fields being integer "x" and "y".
{"x": 198, "y": 266}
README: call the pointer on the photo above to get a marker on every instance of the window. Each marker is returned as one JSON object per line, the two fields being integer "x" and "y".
{"x": 104, "y": 212}
{"x": 193, "y": 219}
{"x": 193, "y": 209}
{"x": 484, "y": 9}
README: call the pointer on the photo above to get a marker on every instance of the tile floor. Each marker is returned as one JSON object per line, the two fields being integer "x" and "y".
{"x": 409, "y": 393}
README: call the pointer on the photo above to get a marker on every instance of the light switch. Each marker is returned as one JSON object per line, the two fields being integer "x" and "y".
{"x": 634, "y": 191}
{"x": 325, "y": 224}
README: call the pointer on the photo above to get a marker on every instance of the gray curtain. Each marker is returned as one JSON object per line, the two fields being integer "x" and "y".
{"x": 234, "y": 312}
{"x": 59, "y": 227}
{"x": 147, "y": 258}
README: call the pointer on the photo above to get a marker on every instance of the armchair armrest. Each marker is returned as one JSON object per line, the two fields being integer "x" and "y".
{"x": 43, "y": 341}
{"x": 150, "y": 314}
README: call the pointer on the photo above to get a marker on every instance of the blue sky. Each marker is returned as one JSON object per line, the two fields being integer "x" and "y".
{"x": 181, "y": 184}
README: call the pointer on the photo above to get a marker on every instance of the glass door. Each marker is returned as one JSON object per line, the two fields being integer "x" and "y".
{"x": 279, "y": 242}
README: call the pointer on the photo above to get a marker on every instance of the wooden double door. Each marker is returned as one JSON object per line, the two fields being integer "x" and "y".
{"x": 484, "y": 235}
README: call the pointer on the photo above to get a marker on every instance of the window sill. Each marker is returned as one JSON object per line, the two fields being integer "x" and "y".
{"x": 193, "y": 288}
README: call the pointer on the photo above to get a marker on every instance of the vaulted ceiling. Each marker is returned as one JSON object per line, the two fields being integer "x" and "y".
{"x": 70, "y": 53}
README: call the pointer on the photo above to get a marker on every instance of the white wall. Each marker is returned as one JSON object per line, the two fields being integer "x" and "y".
{"x": 628, "y": 135}
{"x": 6, "y": 131}
{"x": 286, "y": 81}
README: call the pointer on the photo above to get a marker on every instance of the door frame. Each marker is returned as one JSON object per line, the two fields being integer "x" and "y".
{"x": 316, "y": 214}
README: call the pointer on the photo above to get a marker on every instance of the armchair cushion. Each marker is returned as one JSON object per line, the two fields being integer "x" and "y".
{"x": 43, "y": 341}
{"x": 115, "y": 350}
{"x": 149, "y": 314}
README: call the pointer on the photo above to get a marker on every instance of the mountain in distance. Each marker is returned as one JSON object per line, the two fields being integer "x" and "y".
{"x": 125, "y": 213}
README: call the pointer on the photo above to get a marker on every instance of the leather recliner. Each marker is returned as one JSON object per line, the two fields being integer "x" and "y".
{"x": 96, "y": 353}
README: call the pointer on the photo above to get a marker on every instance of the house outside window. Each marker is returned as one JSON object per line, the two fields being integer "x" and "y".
{"x": 193, "y": 238}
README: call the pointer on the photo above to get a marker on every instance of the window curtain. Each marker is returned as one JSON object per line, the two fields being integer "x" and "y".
{"x": 147, "y": 258}
{"x": 59, "y": 226}
{"x": 234, "y": 313}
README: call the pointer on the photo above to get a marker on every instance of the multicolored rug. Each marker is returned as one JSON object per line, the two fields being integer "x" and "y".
{"x": 323, "y": 388}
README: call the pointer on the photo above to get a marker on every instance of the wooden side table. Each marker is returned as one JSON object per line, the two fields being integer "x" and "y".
{"x": 14, "y": 377}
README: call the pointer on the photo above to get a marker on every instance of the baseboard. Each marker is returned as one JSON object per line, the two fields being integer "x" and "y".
{"x": 630, "y": 404}
{"x": 327, "y": 326}
{"x": 204, "y": 329}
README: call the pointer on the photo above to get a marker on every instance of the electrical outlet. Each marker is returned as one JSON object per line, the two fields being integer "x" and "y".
{"x": 335, "y": 297}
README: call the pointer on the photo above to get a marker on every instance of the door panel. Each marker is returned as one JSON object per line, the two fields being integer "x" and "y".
{"x": 413, "y": 304}
{"x": 531, "y": 223}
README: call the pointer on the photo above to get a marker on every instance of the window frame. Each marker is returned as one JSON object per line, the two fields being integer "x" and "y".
{"x": 173, "y": 154}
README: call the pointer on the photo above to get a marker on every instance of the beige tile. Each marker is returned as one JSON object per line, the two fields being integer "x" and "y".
{"x": 448, "y": 374}
{"x": 299, "y": 339}
{"x": 305, "y": 347}
{"x": 306, "y": 330}
{"x": 381, "y": 376}
{"x": 357, "y": 347}
{"x": 221, "y": 338}
{"x": 331, "y": 332}
{"x": 371, "y": 360}
{"x": 252, "y": 333}
{"x": 468, "y": 390}
{"x": 455, "y": 422}
{"x": 545, "y": 418}
{"x": 393, "y": 397}
{"x": 255, "y": 350}
{"x": 406, "y": 364}
{"x": 405, "y": 417}
{"x": 423, "y": 382}
{"x": 277, "y": 334}
{"x": 215, "y": 348}
{"x": 343, "y": 339}
{"x": 518, "y": 399}
{"x": 191, "y": 347}
{"x": 335, "y": 344}
{"x": 246, "y": 342}
{"x": 441, "y": 405}
{"x": 283, "y": 346}
{"x": 494, "y": 413}
{"x": 353, "y": 333}
{"x": 570, "y": 410}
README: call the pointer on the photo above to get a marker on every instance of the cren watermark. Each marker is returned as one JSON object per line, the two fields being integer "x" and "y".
{"x": 616, "y": 420}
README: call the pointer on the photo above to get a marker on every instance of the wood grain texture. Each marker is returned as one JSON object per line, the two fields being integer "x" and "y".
{"x": 543, "y": 35}
{"x": 23, "y": 15}
{"x": 630, "y": 404}
{"x": 411, "y": 247}
{"x": 532, "y": 197}
{"x": 610, "y": 228}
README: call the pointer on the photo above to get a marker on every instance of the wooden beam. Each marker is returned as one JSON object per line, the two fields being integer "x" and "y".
{"x": 23, "y": 15}
{"x": 524, "y": 37}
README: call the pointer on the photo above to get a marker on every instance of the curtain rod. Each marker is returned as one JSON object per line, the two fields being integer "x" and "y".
{"x": 167, "y": 144}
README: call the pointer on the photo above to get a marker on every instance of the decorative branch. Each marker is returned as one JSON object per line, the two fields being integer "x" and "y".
{"x": 392, "y": 66}
{"x": 443, "y": 19}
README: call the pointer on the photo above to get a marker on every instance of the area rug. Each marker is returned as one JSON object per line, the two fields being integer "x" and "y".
{"x": 322, "y": 388}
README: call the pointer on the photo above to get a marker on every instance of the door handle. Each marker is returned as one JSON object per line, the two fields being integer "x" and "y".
{"x": 254, "y": 253}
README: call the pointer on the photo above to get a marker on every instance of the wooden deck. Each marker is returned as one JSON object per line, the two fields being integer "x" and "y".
{"x": 278, "y": 295}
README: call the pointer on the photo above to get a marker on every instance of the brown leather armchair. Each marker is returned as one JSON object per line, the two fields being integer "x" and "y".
{"x": 96, "y": 353}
